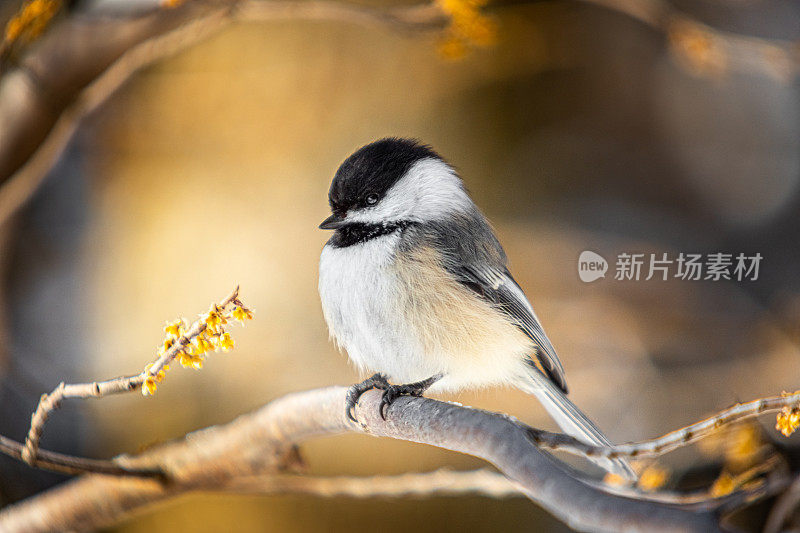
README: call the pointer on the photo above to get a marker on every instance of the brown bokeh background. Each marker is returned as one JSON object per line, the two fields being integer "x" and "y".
{"x": 577, "y": 131}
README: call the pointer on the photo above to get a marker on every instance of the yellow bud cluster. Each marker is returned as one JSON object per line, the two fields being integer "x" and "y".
{"x": 174, "y": 329}
{"x": 151, "y": 380}
{"x": 242, "y": 314}
{"x": 468, "y": 27}
{"x": 788, "y": 420}
{"x": 653, "y": 478}
{"x": 31, "y": 21}
{"x": 191, "y": 344}
{"x": 723, "y": 485}
{"x": 615, "y": 480}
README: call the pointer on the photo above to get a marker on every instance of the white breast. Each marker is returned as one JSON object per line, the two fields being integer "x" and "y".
{"x": 357, "y": 287}
{"x": 380, "y": 309}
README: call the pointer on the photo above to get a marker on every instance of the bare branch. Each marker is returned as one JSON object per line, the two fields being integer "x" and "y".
{"x": 77, "y": 66}
{"x": 97, "y": 66}
{"x": 98, "y": 389}
{"x": 672, "y": 440}
{"x": 761, "y": 481}
{"x": 257, "y": 444}
{"x": 69, "y": 464}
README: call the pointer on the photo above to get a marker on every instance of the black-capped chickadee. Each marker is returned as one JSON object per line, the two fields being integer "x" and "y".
{"x": 414, "y": 286}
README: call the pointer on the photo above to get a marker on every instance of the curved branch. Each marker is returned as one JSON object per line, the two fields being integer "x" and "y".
{"x": 672, "y": 440}
{"x": 85, "y": 59}
{"x": 70, "y": 464}
{"x": 98, "y": 389}
{"x": 260, "y": 442}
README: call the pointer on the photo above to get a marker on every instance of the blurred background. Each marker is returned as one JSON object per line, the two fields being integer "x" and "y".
{"x": 580, "y": 128}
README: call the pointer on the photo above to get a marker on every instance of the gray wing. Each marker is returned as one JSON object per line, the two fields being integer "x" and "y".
{"x": 476, "y": 259}
{"x": 499, "y": 287}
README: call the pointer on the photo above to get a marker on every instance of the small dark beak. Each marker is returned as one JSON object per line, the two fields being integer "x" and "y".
{"x": 332, "y": 222}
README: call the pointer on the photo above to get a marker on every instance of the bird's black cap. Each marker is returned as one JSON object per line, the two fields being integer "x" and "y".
{"x": 372, "y": 170}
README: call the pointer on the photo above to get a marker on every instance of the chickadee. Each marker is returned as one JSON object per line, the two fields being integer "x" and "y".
{"x": 414, "y": 286}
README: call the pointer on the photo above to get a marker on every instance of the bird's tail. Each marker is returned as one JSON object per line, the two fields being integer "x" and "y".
{"x": 572, "y": 421}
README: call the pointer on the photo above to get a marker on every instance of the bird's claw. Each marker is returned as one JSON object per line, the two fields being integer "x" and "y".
{"x": 388, "y": 398}
{"x": 393, "y": 392}
{"x": 378, "y": 381}
{"x": 390, "y": 392}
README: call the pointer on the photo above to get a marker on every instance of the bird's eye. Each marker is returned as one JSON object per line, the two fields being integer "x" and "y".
{"x": 372, "y": 199}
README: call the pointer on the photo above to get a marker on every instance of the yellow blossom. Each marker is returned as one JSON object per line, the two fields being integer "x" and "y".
{"x": 191, "y": 360}
{"x": 614, "y": 480}
{"x": 32, "y": 20}
{"x": 151, "y": 380}
{"x": 788, "y": 420}
{"x": 149, "y": 386}
{"x": 653, "y": 478}
{"x": 226, "y": 342}
{"x": 159, "y": 376}
{"x": 723, "y": 485}
{"x": 201, "y": 346}
{"x": 174, "y": 328}
{"x": 215, "y": 318}
{"x": 241, "y": 314}
{"x": 168, "y": 343}
{"x": 476, "y": 28}
{"x": 468, "y": 26}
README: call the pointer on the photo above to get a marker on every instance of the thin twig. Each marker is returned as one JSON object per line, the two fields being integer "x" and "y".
{"x": 774, "y": 480}
{"x": 70, "y": 464}
{"x": 98, "y": 389}
{"x": 670, "y": 441}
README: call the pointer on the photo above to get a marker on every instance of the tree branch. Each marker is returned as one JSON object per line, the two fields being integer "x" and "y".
{"x": 76, "y": 67}
{"x": 672, "y": 440}
{"x": 98, "y": 389}
{"x": 80, "y": 62}
{"x": 259, "y": 444}
{"x": 69, "y": 464}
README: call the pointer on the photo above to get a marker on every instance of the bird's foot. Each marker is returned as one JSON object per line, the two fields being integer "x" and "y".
{"x": 393, "y": 392}
{"x": 378, "y": 381}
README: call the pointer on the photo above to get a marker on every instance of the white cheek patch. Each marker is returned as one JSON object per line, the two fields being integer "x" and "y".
{"x": 430, "y": 190}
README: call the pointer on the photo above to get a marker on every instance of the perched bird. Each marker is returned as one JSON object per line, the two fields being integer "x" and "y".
{"x": 414, "y": 286}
